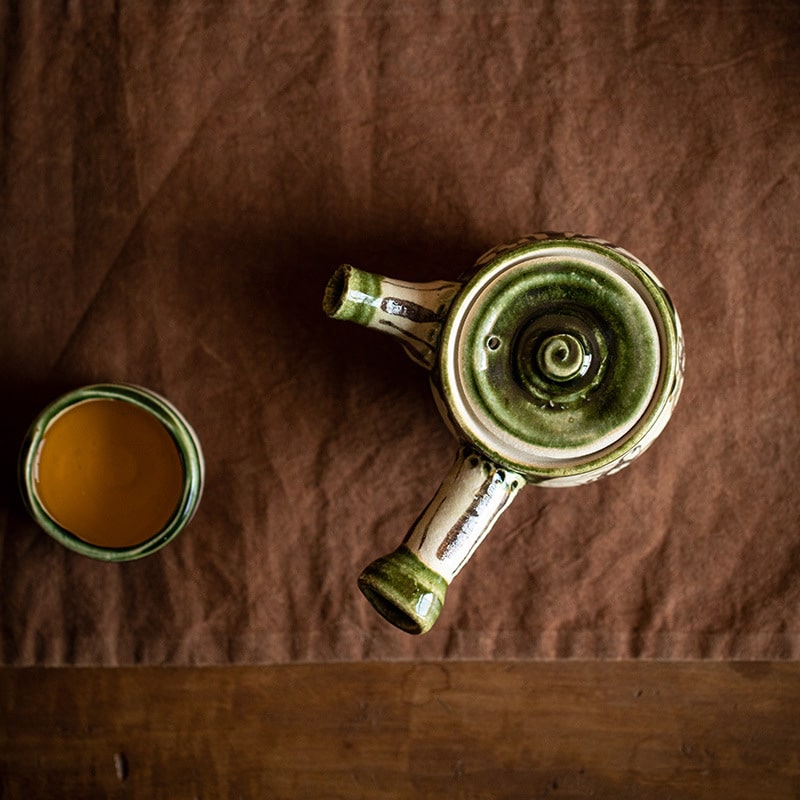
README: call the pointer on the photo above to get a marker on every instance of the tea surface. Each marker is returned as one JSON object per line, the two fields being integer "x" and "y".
{"x": 109, "y": 472}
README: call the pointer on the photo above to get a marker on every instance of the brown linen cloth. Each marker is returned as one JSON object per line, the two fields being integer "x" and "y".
{"x": 179, "y": 181}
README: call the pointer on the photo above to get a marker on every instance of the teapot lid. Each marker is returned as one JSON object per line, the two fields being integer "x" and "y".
{"x": 560, "y": 353}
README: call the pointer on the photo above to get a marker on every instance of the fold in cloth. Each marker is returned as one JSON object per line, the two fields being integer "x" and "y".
{"x": 178, "y": 183}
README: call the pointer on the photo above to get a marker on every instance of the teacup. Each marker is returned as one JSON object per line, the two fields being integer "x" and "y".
{"x": 112, "y": 471}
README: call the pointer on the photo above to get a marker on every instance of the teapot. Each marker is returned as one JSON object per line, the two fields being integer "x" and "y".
{"x": 555, "y": 360}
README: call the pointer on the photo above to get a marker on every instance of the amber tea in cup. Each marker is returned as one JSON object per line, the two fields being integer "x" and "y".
{"x": 112, "y": 471}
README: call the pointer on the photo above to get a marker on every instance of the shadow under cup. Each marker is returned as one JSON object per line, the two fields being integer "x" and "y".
{"x": 111, "y": 471}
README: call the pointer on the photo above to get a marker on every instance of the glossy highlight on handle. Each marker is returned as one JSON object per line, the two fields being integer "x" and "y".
{"x": 408, "y": 587}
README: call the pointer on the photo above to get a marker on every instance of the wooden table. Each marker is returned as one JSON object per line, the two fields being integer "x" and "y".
{"x": 369, "y": 730}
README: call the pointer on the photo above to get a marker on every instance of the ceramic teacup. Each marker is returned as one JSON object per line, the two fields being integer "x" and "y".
{"x": 112, "y": 471}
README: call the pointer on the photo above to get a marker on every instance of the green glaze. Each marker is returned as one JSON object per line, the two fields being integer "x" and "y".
{"x": 555, "y": 358}
{"x": 183, "y": 435}
{"x": 531, "y": 312}
{"x": 361, "y": 300}
{"x": 404, "y": 591}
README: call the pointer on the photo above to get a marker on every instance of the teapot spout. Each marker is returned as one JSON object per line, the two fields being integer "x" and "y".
{"x": 413, "y": 312}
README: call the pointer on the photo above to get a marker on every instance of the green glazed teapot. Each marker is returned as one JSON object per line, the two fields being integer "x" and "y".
{"x": 554, "y": 361}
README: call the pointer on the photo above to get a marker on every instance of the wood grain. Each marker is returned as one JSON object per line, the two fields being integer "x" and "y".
{"x": 456, "y": 730}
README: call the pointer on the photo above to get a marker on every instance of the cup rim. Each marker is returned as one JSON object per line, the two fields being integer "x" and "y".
{"x": 181, "y": 432}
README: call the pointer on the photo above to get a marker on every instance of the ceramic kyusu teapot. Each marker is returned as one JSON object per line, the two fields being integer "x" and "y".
{"x": 554, "y": 361}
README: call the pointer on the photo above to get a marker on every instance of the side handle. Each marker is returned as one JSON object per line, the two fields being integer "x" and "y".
{"x": 408, "y": 586}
